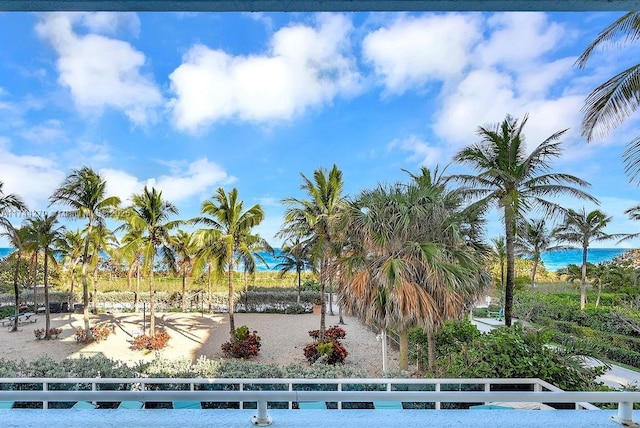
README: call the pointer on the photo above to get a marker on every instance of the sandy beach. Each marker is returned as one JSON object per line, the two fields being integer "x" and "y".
{"x": 195, "y": 335}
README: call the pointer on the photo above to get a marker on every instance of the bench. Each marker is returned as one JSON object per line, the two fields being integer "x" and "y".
{"x": 22, "y": 318}
{"x": 497, "y": 315}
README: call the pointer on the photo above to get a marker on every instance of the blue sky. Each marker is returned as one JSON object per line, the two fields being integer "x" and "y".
{"x": 188, "y": 102}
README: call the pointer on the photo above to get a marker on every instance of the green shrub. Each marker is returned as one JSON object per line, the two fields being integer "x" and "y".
{"x": 246, "y": 345}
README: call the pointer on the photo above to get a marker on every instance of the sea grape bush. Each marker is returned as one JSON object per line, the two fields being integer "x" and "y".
{"x": 40, "y": 333}
{"x": 246, "y": 345}
{"x": 98, "y": 332}
{"x": 328, "y": 349}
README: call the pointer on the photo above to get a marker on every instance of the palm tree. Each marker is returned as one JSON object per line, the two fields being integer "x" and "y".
{"x": 583, "y": 229}
{"x": 514, "y": 181}
{"x": 611, "y": 103}
{"x": 407, "y": 263}
{"x": 314, "y": 219}
{"x": 70, "y": 247}
{"x": 147, "y": 221}
{"x": 84, "y": 192}
{"x": 48, "y": 232}
{"x": 17, "y": 238}
{"x": 256, "y": 244}
{"x": 535, "y": 238}
{"x": 293, "y": 257}
{"x": 9, "y": 204}
{"x": 102, "y": 240}
{"x": 225, "y": 214}
{"x": 210, "y": 255}
{"x": 184, "y": 250}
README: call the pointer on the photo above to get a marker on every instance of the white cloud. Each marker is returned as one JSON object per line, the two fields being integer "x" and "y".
{"x": 195, "y": 178}
{"x": 305, "y": 67}
{"x": 46, "y": 132}
{"x": 420, "y": 151}
{"x": 33, "y": 178}
{"x": 413, "y": 51}
{"x": 99, "y": 71}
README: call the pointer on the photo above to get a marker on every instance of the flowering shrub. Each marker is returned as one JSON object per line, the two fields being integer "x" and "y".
{"x": 246, "y": 345}
{"x": 40, "y": 333}
{"x": 329, "y": 349}
{"x": 98, "y": 333}
{"x": 152, "y": 343}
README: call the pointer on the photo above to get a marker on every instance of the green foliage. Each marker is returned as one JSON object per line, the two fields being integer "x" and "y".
{"x": 328, "y": 349}
{"x": 511, "y": 353}
{"x": 152, "y": 343}
{"x": 246, "y": 345}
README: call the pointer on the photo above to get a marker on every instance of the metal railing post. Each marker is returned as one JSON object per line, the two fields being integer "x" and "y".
{"x": 437, "y": 403}
{"x": 45, "y": 387}
{"x": 262, "y": 418}
{"x": 625, "y": 414}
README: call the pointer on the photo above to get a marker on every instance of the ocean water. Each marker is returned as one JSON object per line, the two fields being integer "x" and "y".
{"x": 553, "y": 260}
{"x": 556, "y": 260}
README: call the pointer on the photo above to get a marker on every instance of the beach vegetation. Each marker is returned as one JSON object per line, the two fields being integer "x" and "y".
{"x": 327, "y": 348}
{"x": 414, "y": 258}
{"x": 533, "y": 239}
{"x": 246, "y": 344}
{"x": 515, "y": 180}
{"x": 83, "y": 191}
{"x": 583, "y": 229}
{"x": 147, "y": 222}
{"x": 229, "y": 238}
{"x": 314, "y": 220}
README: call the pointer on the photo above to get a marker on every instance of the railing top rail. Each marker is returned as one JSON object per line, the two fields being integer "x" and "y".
{"x": 412, "y": 396}
{"x": 384, "y": 381}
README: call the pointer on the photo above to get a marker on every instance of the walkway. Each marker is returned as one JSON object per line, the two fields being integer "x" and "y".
{"x": 617, "y": 377}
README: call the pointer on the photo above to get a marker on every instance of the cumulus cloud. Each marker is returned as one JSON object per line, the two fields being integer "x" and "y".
{"x": 420, "y": 152}
{"x": 195, "y": 178}
{"x": 412, "y": 51}
{"x": 33, "y": 178}
{"x": 100, "y": 71}
{"x": 46, "y": 132}
{"x": 304, "y": 67}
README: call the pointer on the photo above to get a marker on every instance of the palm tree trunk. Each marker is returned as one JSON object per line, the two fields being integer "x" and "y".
{"x": 431, "y": 349}
{"x": 95, "y": 290}
{"x": 136, "y": 297}
{"x": 510, "y": 227}
{"x": 152, "y": 305}
{"x": 85, "y": 283}
{"x": 299, "y": 272}
{"x": 583, "y": 278}
{"x": 533, "y": 272}
{"x": 184, "y": 290}
{"x": 599, "y": 293}
{"x": 230, "y": 304}
{"x": 16, "y": 292}
{"x": 72, "y": 288}
{"x": 209, "y": 303}
{"x": 323, "y": 309}
{"x": 35, "y": 282}
{"x": 404, "y": 350}
{"x": 47, "y": 311}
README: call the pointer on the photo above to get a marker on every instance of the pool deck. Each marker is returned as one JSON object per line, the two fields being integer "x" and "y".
{"x": 21, "y": 418}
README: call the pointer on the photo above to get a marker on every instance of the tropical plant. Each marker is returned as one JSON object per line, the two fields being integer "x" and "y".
{"x": 583, "y": 229}
{"x": 293, "y": 257}
{"x": 225, "y": 214}
{"x": 84, "y": 192}
{"x": 184, "y": 251}
{"x": 313, "y": 219}
{"x": 408, "y": 262}
{"x": 102, "y": 240}
{"x": 10, "y": 204}
{"x": 500, "y": 254}
{"x": 70, "y": 248}
{"x": 17, "y": 239}
{"x": 46, "y": 230}
{"x": 514, "y": 181}
{"x": 245, "y": 345}
{"x": 147, "y": 222}
{"x": 611, "y": 103}
{"x": 532, "y": 240}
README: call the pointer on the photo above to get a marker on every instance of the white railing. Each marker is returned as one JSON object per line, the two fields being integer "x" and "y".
{"x": 435, "y": 391}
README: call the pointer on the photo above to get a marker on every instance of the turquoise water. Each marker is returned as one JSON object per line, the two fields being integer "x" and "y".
{"x": 552, "y": 260}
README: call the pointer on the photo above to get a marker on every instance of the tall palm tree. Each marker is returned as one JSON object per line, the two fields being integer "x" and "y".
{"x": 256, "y": 245}
{"x": 293, "y": 257}
{"x": 407, "y": 263}
{"x": 48, "y": 232}
{"x": 102, "y": 240}
{"x": 210, "y": 256}
{"x": 314, "y": 219}
{"x": 147, "y": 220}
{"x": 84, "y": 192}
{"x": 184, "y": 250}
{"x": 517, "y": 182}
{"x": 70, "y": 248}
{"x": 583, "y": 229}
{"x": 224, "y": 213}
{"x": 17, "y": 238}
{"x": 611, "y": 103}
{"x": 533, "y": 239}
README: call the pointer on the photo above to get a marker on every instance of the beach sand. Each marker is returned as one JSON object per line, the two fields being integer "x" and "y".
{"x": 195, "y": 335}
